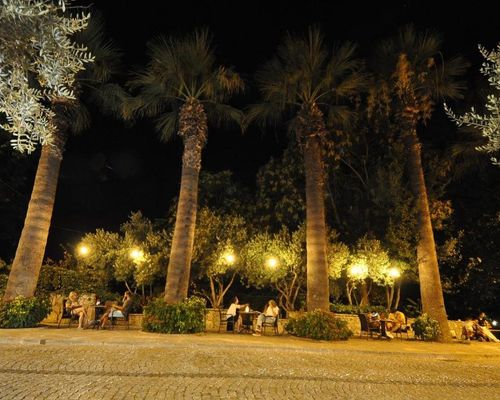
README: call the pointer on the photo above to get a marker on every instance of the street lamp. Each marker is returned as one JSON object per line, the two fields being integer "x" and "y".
{"x": 136, "y": 255}
{"x": 394, "y": 272}
{"x": 230, "y": 258}
{"x": 272, "y": 262}
{"x": 358, "y": 270}
{"x": 83, "y": 250}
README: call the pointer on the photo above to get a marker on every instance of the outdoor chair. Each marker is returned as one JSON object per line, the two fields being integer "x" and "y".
{"x": 224, "y": 322}
{"x": 368, "y": 328}
{"x": 405, "y": 328}
{"x": 66, "y": 314}
{"x": 270, "y": 322}
{"x": 113, "y": 320}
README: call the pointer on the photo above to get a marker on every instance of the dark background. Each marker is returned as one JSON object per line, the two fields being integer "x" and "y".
{"x": 114, "y": 169}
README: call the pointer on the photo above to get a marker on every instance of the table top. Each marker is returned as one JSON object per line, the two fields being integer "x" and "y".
{"x": 249, "y": 312}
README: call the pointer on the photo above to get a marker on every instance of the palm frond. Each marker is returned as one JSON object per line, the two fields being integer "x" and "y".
{"x": 223, "y": 114}
{"x": 77, "y": 116}
{"x": 110, "y": 98}
{"x": 106, "y": 53}
{"x": 446, "y": 77}
{"x": 263, "y": 114}
{"x": 167, "y": 125}
{"x": 340, "y": 117}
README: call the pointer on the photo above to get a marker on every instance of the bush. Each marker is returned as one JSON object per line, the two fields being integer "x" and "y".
{"x": 23, "y": 312}
{"x": 319, "y": 325}
{"x": 352, "y": 309}
{"x": 426, "y": 328}
{"x": 185, "y": 317}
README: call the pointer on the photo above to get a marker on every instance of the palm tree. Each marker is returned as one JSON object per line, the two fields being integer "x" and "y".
{"x": 184, "y": 89}
{"x": 70, "y": 117}
{"x": 308, "y": 83}
{"x": 412, "y": 67}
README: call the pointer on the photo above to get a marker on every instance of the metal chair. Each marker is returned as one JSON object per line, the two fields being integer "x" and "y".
{"x": 366, "y": 327}
{"x": 270, "y": 322}
{"x": 67, "y": 314}
{"x": 113, "y": 320}
{"x": 224, "y": 321}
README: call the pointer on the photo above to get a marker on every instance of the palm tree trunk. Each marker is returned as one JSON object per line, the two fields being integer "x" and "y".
{"x": 317, "y": 269}
{"x": 28, "y": 260}
{"x": 193, "y": 129}
{"x": 431, "y": 291}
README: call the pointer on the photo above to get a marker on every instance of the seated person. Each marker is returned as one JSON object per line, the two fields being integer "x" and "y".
{"x": 483, "y": 329}
{"x": 74, "y": 306}
{"x": 397, "y": 321}
{"x": 469, "y": 329}
{"x": 373, "y": 320}
{"x": 232, "y": 316}
{"x": 117, "y": 311}
{"x": 271, "y": 312}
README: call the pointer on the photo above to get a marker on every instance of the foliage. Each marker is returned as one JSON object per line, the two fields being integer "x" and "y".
{"x": 180, "y": 70}
{"x": 4, "y": 276}
{"x": 39, "y": 62}
{"x": 63, "y": 277}
{"x": 276, "y": 260}
{"x": 184, "y": 317}
{"x": 23, "y": 312}
{"x": 219, "y": 239}
{"x": 488, "y": 124}
{"x": 355, "y": 309}
{"x": 319, "y": 325}
{"x": 337, "y": 254}
{"x": 426, "y": 328}
{"x": 280, "y": 198}
{"x": 111, "y": 255}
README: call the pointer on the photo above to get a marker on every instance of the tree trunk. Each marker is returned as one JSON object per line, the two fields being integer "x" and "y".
{"x": 317, "y": 268}
{"x": 193, "y": 129}
{"x": 28, "y": 260}
{"x": 365, "y": 295}
{"x": 428, "y": 269}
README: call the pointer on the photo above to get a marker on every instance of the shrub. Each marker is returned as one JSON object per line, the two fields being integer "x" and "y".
{"x": 319, "y": 325}
{"x": 353, "y": 309}
{"x": 185, "y": 317}
{"x": 426, "y": 328}
{"x": 23, "y": 312}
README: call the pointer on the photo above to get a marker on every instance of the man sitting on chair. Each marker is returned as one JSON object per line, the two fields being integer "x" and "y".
{"x": 397, "y": 321}
{"x": 117, "y": 311}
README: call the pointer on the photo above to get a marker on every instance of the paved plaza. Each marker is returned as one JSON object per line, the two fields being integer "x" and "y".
{"x": 48, "y": 363}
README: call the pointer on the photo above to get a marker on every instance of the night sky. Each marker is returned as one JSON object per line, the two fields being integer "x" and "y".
{"x": 114, "y": 169}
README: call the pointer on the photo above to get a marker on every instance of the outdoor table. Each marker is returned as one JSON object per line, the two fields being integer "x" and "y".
{"x": 247, "y": 320}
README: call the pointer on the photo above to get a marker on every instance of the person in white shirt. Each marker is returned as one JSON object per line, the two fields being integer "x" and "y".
{"x": 231, "y": 314}
{"x": 271, "y": 312}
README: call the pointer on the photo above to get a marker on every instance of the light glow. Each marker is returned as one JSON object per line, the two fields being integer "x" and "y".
{"x": 230, "y": 258}
{"x": 136, "y": 254}
{"x": 83, "y": 250}
{"x": 359, "y": 270}
{"x": 272, "y": 262}
{"x": 394, "y": 272}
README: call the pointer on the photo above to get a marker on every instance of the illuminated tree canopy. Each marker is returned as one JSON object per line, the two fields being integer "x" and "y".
{"x": 38, "y": 65}
{"x": 488, "y": 124}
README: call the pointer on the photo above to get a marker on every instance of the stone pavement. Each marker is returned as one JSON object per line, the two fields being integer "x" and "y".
{"x": 47, "y": 363}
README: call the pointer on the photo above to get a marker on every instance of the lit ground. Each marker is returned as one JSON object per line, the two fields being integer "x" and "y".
{"x": 48, "y": 363}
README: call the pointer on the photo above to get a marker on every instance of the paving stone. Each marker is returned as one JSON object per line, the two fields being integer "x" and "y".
{"x": 144, "y": 366}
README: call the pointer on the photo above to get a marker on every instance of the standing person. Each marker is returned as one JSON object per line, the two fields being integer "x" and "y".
{"x": 117, "y": 311}
{"x": 76, "y": 308}
{"x": 232, "y": 316}
{"x": 271, "y": 312}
